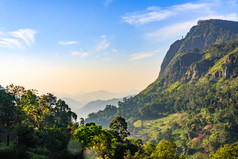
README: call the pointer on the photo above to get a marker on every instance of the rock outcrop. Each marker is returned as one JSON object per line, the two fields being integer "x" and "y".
{"x": 200, "y": 36}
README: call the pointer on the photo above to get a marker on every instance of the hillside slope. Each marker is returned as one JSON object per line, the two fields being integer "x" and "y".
{"x": 194, "y": 102}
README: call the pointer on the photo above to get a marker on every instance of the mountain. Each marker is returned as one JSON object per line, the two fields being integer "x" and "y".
{"x": 85, "y": 97}
{"x": 199, "y": 37}
{"x": 73, "y": 104}
{"x": 194, "y": 101}
{"x": 101, "y": 95}
{"x": 95, "y": 106}
{"x": 86, "y": 103}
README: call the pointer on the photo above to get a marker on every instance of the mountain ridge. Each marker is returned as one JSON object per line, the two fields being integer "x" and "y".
{"x": 206, "y": 32}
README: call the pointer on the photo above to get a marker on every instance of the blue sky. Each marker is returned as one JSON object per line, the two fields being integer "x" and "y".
{"x": 70, "y": 46}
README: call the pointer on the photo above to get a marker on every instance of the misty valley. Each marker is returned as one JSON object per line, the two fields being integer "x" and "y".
{"x": 189, "y": 111}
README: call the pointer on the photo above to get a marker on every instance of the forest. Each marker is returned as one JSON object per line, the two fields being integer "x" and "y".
{"x": 42, "y": 127}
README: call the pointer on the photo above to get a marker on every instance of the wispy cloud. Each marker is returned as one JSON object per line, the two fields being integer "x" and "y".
{"x": 18, "y": 39}
{"x": 179, "y": 29}
{"x": 172, "y": 31}
{"x": 152, "y": 14}
{"x": 79, "y": 53}
{"x": 68, "y": 42}
{"x": 10, "y": 43}
{"x": 103, "y": 44}
{"x": 142, "y": 55}
{"x": 27, "y": 35}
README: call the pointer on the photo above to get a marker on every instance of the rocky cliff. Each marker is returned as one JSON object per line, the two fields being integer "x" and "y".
{"x": 200, "y": 36}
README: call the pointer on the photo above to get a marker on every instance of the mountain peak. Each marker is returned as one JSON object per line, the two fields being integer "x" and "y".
{"x": 206, "y": 32}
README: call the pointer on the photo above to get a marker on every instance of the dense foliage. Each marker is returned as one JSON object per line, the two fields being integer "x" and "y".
{"x": 45, "y": 127}
{"x": 33, "y": 126}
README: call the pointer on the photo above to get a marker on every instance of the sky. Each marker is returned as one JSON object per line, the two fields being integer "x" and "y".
{"x": 71, "y": 46}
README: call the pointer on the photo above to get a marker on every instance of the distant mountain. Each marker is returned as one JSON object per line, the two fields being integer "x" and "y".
{"x": 85, "y": 97}
{"x": 95, "y": 106}
{"x": 101, "y": 95}
{"x": 85, "y": 103}
{"x": 73, "y": 104}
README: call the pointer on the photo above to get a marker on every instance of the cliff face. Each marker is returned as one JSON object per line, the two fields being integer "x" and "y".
{"x": 200, "y": 36}
{"x": 170, "y": 54}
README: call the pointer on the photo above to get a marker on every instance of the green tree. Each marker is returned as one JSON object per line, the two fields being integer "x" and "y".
{"x": 95, "y": 138}
{"x": 137, "y": 155}
{"x": 7, "y": 113}
{"x": 119, "y": 125}
{"x": 227, "y": 152}
{"x": 165, "y": 150}
{"x": 148, "y": 148}
{"x": 81, "y": 121}
{"x": 56, "y": 140}
{"x": 62, "y": 114}
{"x": 26, "y": 136}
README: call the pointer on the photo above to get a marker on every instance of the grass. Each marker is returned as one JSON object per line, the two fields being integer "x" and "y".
{"x": 150, "y": 87}
{"x": 172, "y": 87}
{"x": 218, "y": 65}
{"x": 138, "y": 124}
{"x": 207, "y": 56}
{"x": 149, "y": 129}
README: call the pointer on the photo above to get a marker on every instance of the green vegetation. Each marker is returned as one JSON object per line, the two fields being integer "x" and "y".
{"x": 159, "y": 129}
{"x": 33, "y": 126}
{"x": 189, "y": 111}
{"x": 228, "y": 151}
{"x": 194, "y": 104}
{"x": 45, "y": 128}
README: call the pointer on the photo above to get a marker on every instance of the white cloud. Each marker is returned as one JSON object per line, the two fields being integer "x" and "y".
{"x": 179, "y": 29}
{"x": 79, "y": 53}
{"x": 172, "y": 31}
{"x": 17, "y": 39}
{"x": 27, "y": 35}
{"x": 152, "y": 14}
{"x": 142, "y": 55}
{"x": 68, "y": 42}
{"x": 103, "y": 44}
{"x": 146, "y": 17}
{"x": 10, "y": 43}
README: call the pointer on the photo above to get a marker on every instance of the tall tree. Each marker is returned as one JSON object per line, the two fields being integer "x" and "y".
{"x": 165, "y": 149}
{"x": 119, "y": 125}
{"x": 7, "y": 113}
